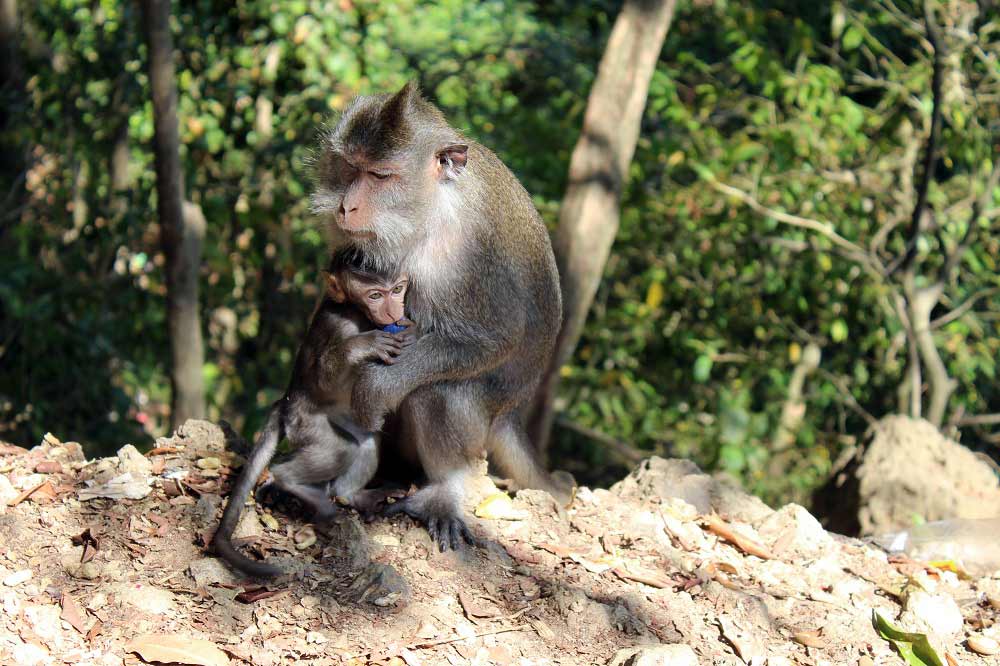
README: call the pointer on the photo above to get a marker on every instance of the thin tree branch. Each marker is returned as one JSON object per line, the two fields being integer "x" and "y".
{"x": 978, "y": 420}
{"x": 854, "y": 251}
{"x": 930, "y": 151}
{"x": 621, "y": 450}
{"x": 951, "y": 316}
{"x": 981, "y": 202}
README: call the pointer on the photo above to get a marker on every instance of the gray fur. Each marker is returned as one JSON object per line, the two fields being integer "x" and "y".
{"x": 315, "y": 416}
{"x": 484, "y": 286}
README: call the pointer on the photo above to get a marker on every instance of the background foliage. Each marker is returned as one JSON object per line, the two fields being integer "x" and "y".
{"x": 706, "y": 306}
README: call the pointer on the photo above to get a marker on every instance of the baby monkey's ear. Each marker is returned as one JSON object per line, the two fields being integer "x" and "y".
{"x": 334, "y": 289}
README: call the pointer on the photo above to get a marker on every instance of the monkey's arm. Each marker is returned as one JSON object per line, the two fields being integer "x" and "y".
{"x": 462, "y": 345}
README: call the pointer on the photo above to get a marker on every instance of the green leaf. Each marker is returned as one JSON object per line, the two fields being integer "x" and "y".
{"x": 852, "y": 38}
{"x": 838, "y": 330}
{"x": 913, "y": 647}
{"x": 702, "y": 368}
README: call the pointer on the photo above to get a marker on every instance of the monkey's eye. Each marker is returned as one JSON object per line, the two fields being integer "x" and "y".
{"x": 380, "y": 176}
{"x": 398, "y": 289}
{"x": 374, "y": 296}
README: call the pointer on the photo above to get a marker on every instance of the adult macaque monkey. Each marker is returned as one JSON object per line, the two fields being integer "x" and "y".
{"x": 414, "y": 194}
{"x": 315, "y": 411}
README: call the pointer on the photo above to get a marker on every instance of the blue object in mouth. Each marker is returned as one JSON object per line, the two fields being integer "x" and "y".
{"x": 393, "y": 328}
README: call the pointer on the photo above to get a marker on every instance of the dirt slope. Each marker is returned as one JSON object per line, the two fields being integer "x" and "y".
{"x": 88, "y": 579}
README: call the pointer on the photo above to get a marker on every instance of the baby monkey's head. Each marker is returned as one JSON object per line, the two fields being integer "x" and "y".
{"x": 353, "y": 278}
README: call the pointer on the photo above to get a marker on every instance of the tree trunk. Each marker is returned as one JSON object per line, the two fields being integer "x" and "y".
{"x": 180, "y": 234}
{"x": 588, "y": 219}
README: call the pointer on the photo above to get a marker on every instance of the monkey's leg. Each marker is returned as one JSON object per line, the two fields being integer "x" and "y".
{"x": 448, "y": 427}
{"x": 322, "y": 455}
{"x": 361, "y": 467}
{"x": 512, "y": 451}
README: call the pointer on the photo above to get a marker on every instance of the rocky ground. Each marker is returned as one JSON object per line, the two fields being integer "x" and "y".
{"x": 103, "y": 562}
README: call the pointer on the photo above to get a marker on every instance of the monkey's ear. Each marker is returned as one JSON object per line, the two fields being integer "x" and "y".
{"x": 334, "y": 288}
{"x": 451, "y": 160}
{"x": 397, "y": 108}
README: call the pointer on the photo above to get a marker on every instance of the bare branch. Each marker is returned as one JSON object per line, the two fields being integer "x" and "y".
{"x": 967, "y": 305}
{"x": 978, "y": 420}
{"x": 854, "y": 251}
{"x": 624, "y": 451}
{"x": 930, "y": 151}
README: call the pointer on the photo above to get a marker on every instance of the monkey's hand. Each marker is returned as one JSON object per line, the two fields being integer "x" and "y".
{"x": 376, "y": 393}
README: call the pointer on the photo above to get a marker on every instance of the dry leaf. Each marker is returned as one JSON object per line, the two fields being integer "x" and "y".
{"x": 542, "y": 629}
{"x": 719, "y": 527}
{"x": 95, "y": 630}
{"x": 809, "y": 638}
{"x": 45, "y": 488}
{"x": 177, "y": 649}
{"x": 651, "y": 578}
{"x": 72, "y": 613}
{"x": 499, "y": 506}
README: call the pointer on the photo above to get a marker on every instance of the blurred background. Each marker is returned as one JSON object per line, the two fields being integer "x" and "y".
{"x": 809, "y": 219}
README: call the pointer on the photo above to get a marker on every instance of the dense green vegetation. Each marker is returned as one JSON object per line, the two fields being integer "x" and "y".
{"x": 758, "y": 111}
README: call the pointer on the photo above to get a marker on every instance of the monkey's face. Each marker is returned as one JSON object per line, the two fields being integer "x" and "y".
{"x": 383, "y": 302}
{"x": 381, "y": 170}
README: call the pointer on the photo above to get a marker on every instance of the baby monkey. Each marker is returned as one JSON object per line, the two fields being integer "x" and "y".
{"x": 331, "y": 452}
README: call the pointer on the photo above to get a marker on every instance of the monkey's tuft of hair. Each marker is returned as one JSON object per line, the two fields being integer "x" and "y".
{"x": 361, "y": 264}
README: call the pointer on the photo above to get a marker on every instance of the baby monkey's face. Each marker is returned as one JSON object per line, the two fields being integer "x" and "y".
{"x": 381, "y": 301}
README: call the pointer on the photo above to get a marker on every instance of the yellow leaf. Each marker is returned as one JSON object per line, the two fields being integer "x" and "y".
{"x": 499, "y": 506}
{"x": 654, "y": 295}
{"x": 675, "y": 158}
{"x": 177, "y": 649}
{"x": 794, "y": 352}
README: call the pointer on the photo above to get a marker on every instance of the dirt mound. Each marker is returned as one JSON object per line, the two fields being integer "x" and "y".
{"x": 634, "y": 575}
{"x": 906, "y": 470}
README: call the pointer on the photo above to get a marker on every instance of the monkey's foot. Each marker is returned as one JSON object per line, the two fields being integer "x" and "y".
{"x": 446, "y": 529}
{"x": 370, "y": 502}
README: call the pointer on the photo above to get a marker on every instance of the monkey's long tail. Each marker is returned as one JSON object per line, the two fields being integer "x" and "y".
{"x": 260, "y": 457}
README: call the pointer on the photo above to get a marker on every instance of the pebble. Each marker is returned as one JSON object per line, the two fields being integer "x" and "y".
{"x": 656, "y": 655}
{"x": 983, "y": 645}
{"x": 17, "y": 578}
{"x": 209, "y": 463}
{"x": 937, "y": 611}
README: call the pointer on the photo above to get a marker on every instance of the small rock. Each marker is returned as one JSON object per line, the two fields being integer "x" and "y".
{"x": 316, "y": 638}
{"x": 29, "y": 481}
{"x": 309, "y": 601}
{"x": 304, "y": 538}
{"x": 7, "y": 493}
{"x": 208, "y": 570}
{"x": 381, "y": 585}
{"x": 388, "y": 540}
{"x": 17, "y": 578}
{"x": 125, "y": 486}
{"x": 49, "y": 467}
{"x": 794, "y": 522}
{"x": 44, "y": 621}
{"x": 130, "y": 460}
{"x": 86, "y": 571}
{"x": 248, "y": 525}
{"x": 208, "y": 463}
{"x": 29, "y": 654}
{"x": 983, "y": 645}
{"x": 206, "y": 508}
{"x": 145, "y": 597}
{"x": 939, "y": 612}
{"x": 655, "y": 655}
{"x": 97, "y": 602}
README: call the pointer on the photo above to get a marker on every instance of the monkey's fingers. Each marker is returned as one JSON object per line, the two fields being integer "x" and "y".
{"x": 386, "y": 357}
